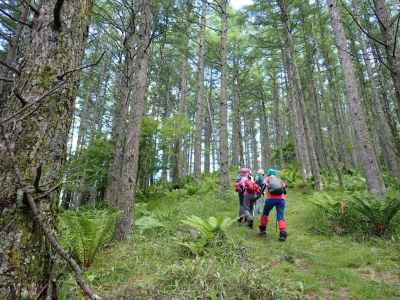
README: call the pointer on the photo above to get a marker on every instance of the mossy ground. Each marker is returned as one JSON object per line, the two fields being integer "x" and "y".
{"x": 306, "y": 266}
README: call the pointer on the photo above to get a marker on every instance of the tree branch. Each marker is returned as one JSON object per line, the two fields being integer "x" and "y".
{"x": 6, "y": 79}
{"x": 34, "y": 9}
{"x": 14, "y": 19}
{"x": 8, "y": 66}
{"x": 361, "y": 27}
{"x": 45, "y": 95}
{"x": 39, "y": 219}
{"x": 61, "y": 77}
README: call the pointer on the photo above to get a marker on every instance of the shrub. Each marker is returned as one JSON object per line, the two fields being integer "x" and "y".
{"x": 85, "y": 232}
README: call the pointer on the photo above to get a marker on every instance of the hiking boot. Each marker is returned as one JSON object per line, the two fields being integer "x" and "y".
{"x": 282, "y": 236}
{"x": 250, "y": 224}
{"x": 263, "y": 231}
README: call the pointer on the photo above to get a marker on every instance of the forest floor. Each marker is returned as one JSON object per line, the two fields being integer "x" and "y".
{"x": 306, "y": 266}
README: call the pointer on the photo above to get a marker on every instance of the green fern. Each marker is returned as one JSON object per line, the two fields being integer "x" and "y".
{"x": 211, "y": 231}
{"x": 147, "y": 223}
{"x": 83, "y": 233}
{"x": 378, "y": 213}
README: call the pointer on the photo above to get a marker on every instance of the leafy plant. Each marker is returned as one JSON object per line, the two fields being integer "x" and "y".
{"x": 378, "y": 214}
{"x": 84, "y": 232}
{"x": 357, "y": 211}
{"x": 211, "y": 231}
{"x": 291, "y": 176}
{"x": 148, "y": 223}
{"x": 336, "y": 212}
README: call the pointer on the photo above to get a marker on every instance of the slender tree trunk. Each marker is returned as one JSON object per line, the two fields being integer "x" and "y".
{"x": 277, "y": 119}
{"x": 253, "y": 144}
{"x": 389, "y": 29}
{"x": 209, "y": 128}
{"x": 183, "y": 113}
{"x": 380, "y": 123}
{"x": 223, "y": 111}
{"x": 367, "y": 156}
{"x": 200, "y": 93}
{"x": 307, "y": 144}
{"x": 264, "y": 136}
{"x": 40, "y": 142}
{"x": 236, "y": 136}
{"x": 137, "y": 58}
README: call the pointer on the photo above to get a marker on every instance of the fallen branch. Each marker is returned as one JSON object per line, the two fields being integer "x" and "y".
{"x": 47, "y": 232}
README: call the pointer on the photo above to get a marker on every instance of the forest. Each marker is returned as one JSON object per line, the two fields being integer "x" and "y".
{"x": 126, "y": 127}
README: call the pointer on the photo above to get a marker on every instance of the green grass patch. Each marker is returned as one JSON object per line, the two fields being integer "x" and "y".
{"x": 308, "y": 265}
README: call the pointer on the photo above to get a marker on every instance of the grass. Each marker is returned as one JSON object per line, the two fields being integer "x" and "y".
{"x": 306, "y": 266}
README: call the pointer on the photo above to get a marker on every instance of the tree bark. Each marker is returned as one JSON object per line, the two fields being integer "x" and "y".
{"x": 236, "y": 126}
{"x": 182, "y": 148}
{"x": 307, "y": 145}
{"x": 136, "y": 60}
{"x": 380, "y": 124}
{"x": 39, "y": 140}
{"x": 12, "y": 54}
{"x": 223, "y": 111}
{"x": 367, "y": 156}
{"x": 200, "y": 93}
{"x": 264, "y": 136}
{"x": 209, "y": 128}
{"x": 278, "y": 116}
{"x": 389, "y": 30}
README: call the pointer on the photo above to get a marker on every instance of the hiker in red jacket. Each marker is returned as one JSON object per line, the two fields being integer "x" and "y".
{"x": 276, "y": 195}
{"x": 248, "y": 190}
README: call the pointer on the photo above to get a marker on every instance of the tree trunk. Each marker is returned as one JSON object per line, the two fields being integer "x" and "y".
{"x": 40, "y": 141}
{"x": 200, "y": 93}
{"x": 236, "y": 136}
{"x": 368, "y": 160}
{"x": 209, "y": 128}
{"x": 277, "y": 120}
{"x": 380, "y": 124}
{"x": 307, "y": 145}
{"x": 183, "y": 113}
{"x": 389, "y": 30}
{"x": 264, "y": 137}
{"x": 136, "y": 61}
{"x": 11, "y": 58}
{"x": 223, "y": 111}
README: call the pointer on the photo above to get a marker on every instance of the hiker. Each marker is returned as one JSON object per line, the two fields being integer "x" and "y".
{"x": 260, "y": 180}
{"x": 259, "y": 203}
{"x": 239, "y": 187}
{"x": 247, "y": 190}
{"x": 276, "y": 195}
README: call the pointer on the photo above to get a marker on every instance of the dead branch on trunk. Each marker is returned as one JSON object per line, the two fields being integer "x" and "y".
{"x": 27, "y": 189}
{"x": 30, "y": 104}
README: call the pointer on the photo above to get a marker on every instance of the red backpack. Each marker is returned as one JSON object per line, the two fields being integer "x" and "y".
{"x": 252, "y": 187}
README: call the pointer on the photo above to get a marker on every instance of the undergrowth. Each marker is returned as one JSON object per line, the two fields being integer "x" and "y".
{"x": 178, "y": 251}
